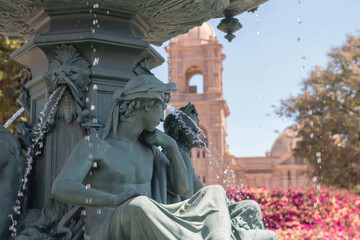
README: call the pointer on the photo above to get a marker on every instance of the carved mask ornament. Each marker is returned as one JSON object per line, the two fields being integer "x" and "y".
{"x": 69, "y": 68}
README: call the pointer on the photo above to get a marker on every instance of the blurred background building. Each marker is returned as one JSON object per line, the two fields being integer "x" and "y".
{"x": 195, "y": 65}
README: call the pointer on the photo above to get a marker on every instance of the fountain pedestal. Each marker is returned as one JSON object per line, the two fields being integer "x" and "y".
{"x": 102, "y": 44}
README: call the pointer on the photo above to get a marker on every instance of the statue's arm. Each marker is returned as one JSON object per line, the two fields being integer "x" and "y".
{"x": 68, "y": 186}
{"x": 177, "y": 173}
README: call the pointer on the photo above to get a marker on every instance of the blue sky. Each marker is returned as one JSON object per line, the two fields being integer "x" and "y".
{"x": 268, "y": 60}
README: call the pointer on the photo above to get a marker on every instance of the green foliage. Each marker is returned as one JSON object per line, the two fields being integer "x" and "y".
{"x": 12, "y": 76}
{"x": 328, "y": 116}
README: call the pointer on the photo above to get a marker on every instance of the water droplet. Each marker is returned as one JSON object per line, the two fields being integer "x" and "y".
{"x": 96, "y": 61}
{"x": 299, "y": 19}
{"x": 95, "y": 87}
{"x": 92, "y": 107}
{"x": 318, "y": 154}
{"x": 94, "y": 165}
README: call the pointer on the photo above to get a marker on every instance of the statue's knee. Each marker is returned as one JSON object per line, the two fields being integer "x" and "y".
{"x": 138, "y": 204}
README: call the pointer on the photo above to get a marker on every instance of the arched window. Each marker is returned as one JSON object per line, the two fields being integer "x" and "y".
{"x": 194, "y": 80}
{"x": 196, "y": 84}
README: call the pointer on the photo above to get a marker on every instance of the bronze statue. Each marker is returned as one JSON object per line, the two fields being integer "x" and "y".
{"x": 122, "y": 179}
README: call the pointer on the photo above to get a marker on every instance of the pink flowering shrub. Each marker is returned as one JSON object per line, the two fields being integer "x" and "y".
{"x": 306, "y": 213}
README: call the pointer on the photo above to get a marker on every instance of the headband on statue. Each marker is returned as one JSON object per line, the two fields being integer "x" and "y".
{"x": 144, "y": 87}
{"x": 140, "y": 87}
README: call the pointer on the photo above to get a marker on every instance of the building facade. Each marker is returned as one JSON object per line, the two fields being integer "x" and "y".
{"x": 199, "y": 54}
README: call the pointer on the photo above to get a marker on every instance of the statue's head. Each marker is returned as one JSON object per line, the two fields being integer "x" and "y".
{"x": 141, "y": 93}
{"x": 184, "y": 126}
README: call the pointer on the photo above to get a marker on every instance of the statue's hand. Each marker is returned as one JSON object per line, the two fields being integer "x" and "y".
{"x": 125, "y": 196}
{"x": 158, "y": 138}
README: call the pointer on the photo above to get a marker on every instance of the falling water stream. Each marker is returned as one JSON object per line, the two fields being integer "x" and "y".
{"x": 14, "y": 117}
{"x": 38, "y": 133}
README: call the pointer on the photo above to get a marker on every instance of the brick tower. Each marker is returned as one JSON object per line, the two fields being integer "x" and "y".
{"x": 193, "y": 55}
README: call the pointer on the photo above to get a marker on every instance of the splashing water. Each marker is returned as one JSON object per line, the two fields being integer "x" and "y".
{"x": 38, "y": 132}
{"x": 226, "y": 174}
{"x": 13, "y": 117}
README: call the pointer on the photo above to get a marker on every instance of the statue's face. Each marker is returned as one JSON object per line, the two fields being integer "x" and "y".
{"x": 154, "y": 116}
